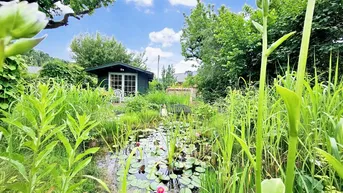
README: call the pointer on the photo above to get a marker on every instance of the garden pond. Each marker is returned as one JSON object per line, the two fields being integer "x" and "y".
{"x": 188, "y": 153}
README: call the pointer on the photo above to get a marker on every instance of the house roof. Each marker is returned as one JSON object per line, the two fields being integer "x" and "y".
{"x": 181, "y": 77}
{"x": 33, "y": 69}
{"x": 94, "y": 69}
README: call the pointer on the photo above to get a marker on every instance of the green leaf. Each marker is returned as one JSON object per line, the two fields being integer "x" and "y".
{"x": 73, "y": 187}
{"x": 4, "y": 131}
{"x": 88, "y": 151}
{"x": 185, "y": 190}
{"x": 103, "y": 184}
{"x": 22, "y": 45}
{"x": 80, "y": 166}
{"x": 336, "y": 164}
{"x": 245, "y": 148}
{"x": 274, "y": 185}
{"x": 2, "y": 54}
{"x": 339, "y": 131}
{"x": 3, "y": 105}
{"x": 258, "y": 26}
{"x": 278, "y": 43}
{"x": 66, "y": 144}
{"x": 292, "y": 101}
{"x": 47, "y": 150}
{"x": 19, "y": 166}
{"x": 334, "y": 148}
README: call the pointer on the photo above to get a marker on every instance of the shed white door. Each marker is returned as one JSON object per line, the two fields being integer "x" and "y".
{"x": 126, "y": 82}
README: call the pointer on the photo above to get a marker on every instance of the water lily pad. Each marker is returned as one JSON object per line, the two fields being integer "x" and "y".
{"x": 154, "y": 185}
{"x": 200, "y": 169}
{"x": 185, "y": 190}
{"x": 133, "y": 171}
{"x": 136, "y": 165}
{"x": 164, "y": 177}
{"x": 190, "y": 186}
{"x": 179, "y": 165}
{"x": 173, "y": 176}
{"x": 151, "y": 176}
{"x": 131, "y": 177}
{"x": 185, "y": 180}
{"x": 188, "y": 173}
{"x": 196, "y": 181}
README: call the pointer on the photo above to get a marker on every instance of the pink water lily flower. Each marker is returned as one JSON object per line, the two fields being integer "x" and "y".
{"x": 160, "y": 189}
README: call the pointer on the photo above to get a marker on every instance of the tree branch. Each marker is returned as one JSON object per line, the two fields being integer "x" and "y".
{"x": 64, "y": 22}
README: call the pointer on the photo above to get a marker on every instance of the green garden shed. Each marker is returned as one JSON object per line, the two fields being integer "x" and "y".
{"x": 119, "y": 76}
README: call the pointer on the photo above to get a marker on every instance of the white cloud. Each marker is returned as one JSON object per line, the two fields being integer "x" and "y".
{"x": 190, "y": 3}
{"x": 184, "y": 66}
{"x": 166, "y": 37}
{"x": 64, "y": 8}
{"x": 142, "y": 2}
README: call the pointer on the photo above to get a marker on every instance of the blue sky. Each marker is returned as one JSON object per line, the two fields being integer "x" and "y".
{"x": 152, "y": 26}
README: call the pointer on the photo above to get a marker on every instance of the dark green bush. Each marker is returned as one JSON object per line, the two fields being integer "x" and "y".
{"x": 11, "y": 81}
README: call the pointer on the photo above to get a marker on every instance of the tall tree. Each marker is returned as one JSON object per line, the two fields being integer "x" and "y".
{"x": 95, "y": 50}
{"x": 229, "y": 46}
{"x": 168, "y": 78}
{"x": 79, "y": 7}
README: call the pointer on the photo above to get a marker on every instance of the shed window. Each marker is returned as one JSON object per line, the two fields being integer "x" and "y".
{"x": 125, "y": 82}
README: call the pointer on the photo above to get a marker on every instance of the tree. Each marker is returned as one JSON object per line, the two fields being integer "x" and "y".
{"x": 70, "y": 73}
{"x": 95, "y": 50}
{"x": 80, "y": 8}
{"x": 168, "y": 78}
{"x": 229, "y": 46}
{"x": 37, "y": 58}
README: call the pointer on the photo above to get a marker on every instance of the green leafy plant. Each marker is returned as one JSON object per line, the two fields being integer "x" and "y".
{"x": 293, "y": 99}
{"x": 80, "y": 129}
{"x": 264, "y": 5}
{"x": 39, "y": 132}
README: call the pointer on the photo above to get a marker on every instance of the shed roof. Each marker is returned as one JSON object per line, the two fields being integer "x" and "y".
{"x": 103, "y": 67}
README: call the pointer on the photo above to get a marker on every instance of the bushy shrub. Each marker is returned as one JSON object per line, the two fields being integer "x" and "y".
{"x": 204, "y": 111}
{"x": 136, "y": 104}
{"x": 11, "y": 81}
{"x": 70, "y": 73}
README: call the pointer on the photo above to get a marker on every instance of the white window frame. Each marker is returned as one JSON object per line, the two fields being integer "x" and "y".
{"x": 123, "y": 80}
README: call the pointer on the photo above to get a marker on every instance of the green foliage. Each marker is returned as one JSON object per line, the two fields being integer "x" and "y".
{"x": 80, "y": 129}
{"x": 228, "y": 45}
{"x": 168, "y": 78}
{"x": 95, "y": 50}
{"x": 11, "y": 82}
{"x": 70, "y": 73}
{"x": 36, "y": 58}
{"x": 155, "y": 85}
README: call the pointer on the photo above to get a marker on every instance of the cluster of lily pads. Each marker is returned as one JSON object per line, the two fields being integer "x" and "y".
{"x": 153, "y": 171}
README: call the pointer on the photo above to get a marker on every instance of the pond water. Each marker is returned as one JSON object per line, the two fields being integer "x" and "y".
{"x": 153, "y": 171}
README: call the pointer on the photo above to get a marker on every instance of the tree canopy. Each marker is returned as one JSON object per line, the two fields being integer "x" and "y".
{"x": 229, "y": 46}
{"x": 80, "y": 8}
{"x": 95, "y": 50}
{"x": 168, "y": 78}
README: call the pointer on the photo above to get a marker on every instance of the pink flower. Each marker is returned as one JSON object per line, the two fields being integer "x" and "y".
{"x": 137, "y": 144}
{"x": 160, "y": 189}
{"x": 197, "y": 134}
